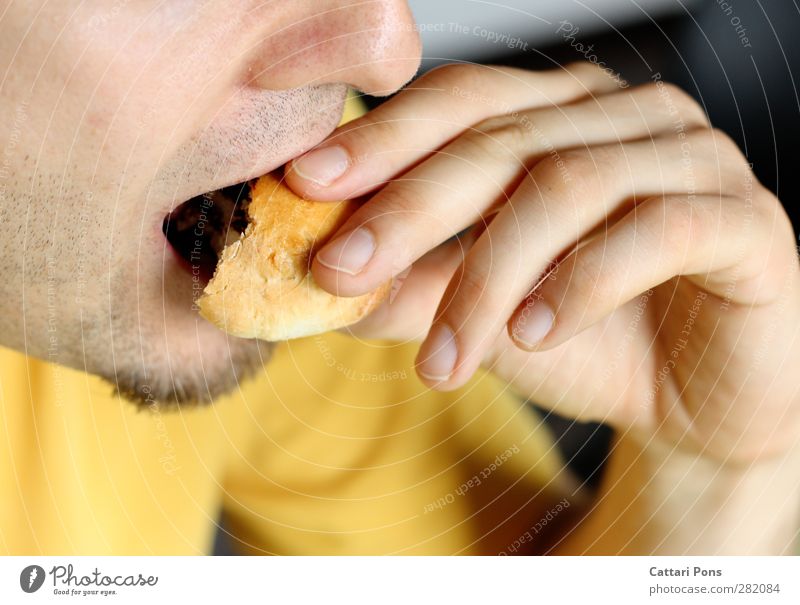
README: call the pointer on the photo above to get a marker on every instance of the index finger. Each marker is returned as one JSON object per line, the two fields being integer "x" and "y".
{"x": 365, "y": 153}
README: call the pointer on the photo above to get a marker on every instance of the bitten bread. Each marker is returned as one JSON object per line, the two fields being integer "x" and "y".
{"x": 262, "y": 287}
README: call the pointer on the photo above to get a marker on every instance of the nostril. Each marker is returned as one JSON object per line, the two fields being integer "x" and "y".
{"x": 374, "y": 47}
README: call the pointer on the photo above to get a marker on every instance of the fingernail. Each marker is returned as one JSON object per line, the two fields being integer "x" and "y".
{"x": 438, "y": 354}
{"x": 533, "y": 324}
{"x": 348, "y": 253}
{"x": 322, "y": 166}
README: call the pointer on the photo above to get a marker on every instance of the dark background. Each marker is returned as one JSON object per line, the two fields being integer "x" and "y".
{"x": 751, "y": 93}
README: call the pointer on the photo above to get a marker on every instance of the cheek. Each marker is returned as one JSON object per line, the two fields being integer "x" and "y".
{"x": 128, "y": 94}
{"x": 259, "y": 127}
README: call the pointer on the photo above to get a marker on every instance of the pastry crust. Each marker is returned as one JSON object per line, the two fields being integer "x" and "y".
{"x": 262, "y": 287}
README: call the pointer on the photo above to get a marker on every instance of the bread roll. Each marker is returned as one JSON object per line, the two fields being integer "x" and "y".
{"x": 262, "y": 287}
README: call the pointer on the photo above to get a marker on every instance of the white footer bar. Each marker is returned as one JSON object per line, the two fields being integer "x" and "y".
{"x": 406, "y": 580}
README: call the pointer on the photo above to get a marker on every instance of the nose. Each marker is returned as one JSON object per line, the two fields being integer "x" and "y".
{"x": 371, "y": 45}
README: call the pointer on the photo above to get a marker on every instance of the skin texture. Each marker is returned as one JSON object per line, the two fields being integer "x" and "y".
{"x": 114, "y": 113}
{"x": 660, "y": 278}
{"x": 619, "y": 187}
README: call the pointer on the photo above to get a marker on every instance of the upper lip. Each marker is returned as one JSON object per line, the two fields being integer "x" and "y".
{"x": 188, "y": 194}
{"x": 184, "y": 195}
{"x": 239, "y": 175}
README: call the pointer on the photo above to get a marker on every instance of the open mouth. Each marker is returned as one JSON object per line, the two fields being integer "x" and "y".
{"x": 201, "y": 227}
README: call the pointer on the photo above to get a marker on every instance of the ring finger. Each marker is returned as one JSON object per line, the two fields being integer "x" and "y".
{"x": 544, "y": 219}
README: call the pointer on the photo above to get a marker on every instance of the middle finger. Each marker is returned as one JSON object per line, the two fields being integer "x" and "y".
{"x": 473, "y": 175}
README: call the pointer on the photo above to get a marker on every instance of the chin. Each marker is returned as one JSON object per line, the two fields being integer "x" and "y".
{"x": 161, "y": 349}
{"x": 179, "y": 373}
{"x": 155, "y": 346}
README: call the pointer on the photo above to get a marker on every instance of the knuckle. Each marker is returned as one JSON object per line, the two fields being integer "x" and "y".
{"x": 767, "y": 211}
{"x": 685, "y": 223}
{"x": 472, "y": 290}
{"x": 399, "y": 197}
{"x": 588, "y": 68}
{"x": 585, "y": 65}
{"x": 549, "y": 172}
{"x": 695, "y": 117}
{"x": 734, "y": 167}
{"x": 453, "y": 75}
{"x": 678, "y": 219}
{"x": 722, "y": 165}
{"x": 476, "y": 145}
{"x": 579, "y": 160}
{"x": 571, "y": 172}
{"x": 374, "y": 132}
{"x": 723, "y": 141}
{"x": 562, "y": 185}
{"x": 678, "y": 95}
{"x": 676, "y": 101}
{"x": 503, "y": 131}
{"x": 584, "y": 277}
{"x": 764, "y": 201}
{"x": 716, "y": 140}
{"x": 595, "y": 77}
{"x": 494, "y": 124}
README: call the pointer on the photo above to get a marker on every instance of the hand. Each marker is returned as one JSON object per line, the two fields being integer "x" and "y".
{"x": 623, "y": 264}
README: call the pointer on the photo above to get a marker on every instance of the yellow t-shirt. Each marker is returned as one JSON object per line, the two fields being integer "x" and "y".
{"x": 335, "y": 448}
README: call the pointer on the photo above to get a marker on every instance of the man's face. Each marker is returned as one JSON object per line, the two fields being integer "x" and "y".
{"x": 115, "y": 113}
